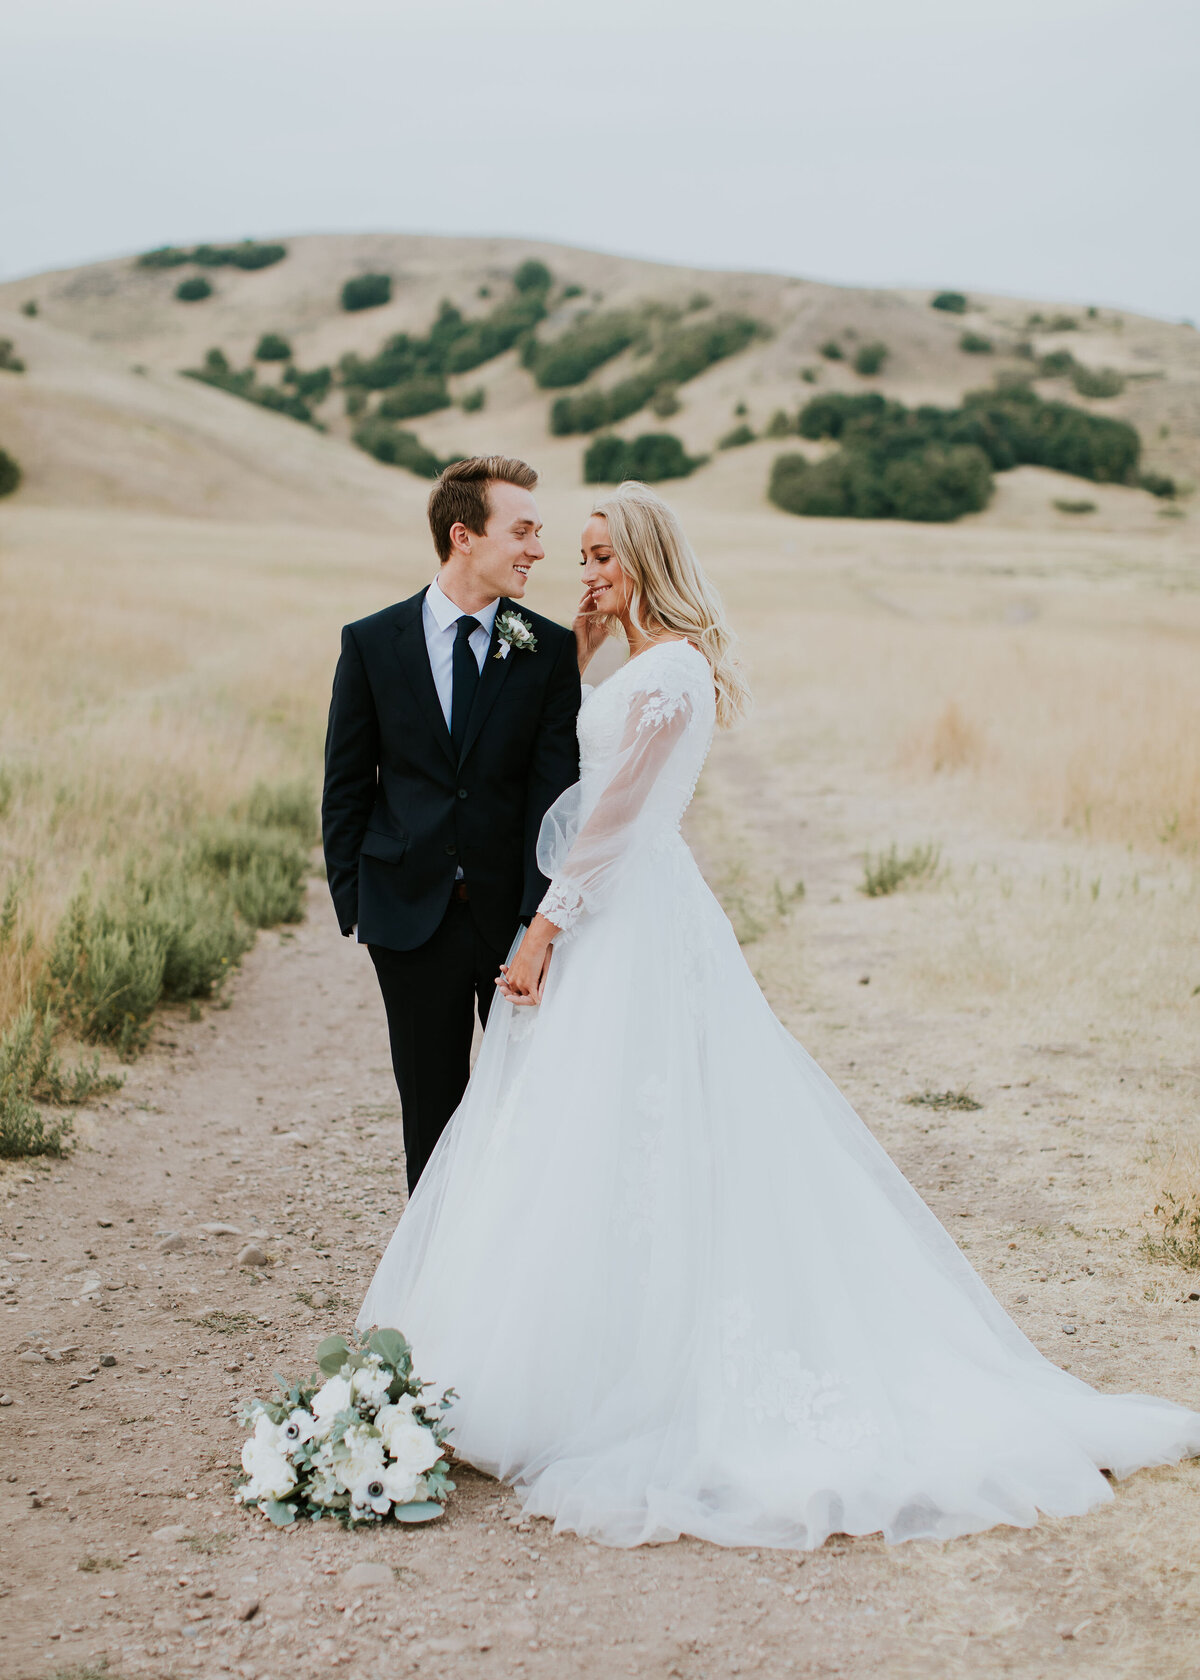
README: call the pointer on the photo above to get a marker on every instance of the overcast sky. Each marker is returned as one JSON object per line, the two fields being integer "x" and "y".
{"x": 1047, "y": 148}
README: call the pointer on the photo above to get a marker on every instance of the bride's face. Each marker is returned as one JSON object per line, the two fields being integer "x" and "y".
{"x": 611, "y": 589}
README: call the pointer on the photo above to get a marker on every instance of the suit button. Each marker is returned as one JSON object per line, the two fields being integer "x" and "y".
{"x": 452, "y": 850}
{"x": 462, "y": 793}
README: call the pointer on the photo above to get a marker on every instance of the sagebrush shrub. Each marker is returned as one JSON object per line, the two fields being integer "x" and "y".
{"x": 652, "y": 457}
{"x": 869, "y": 358}
{"x": 194, "y": 289}
{"x": 10, "y": 362}
{"x": 954, "y": 303}
{"x": 739, "y": 436}
{"x": 397, "y": 448}
{"x": 533, "y": 276}
{"x": 272, "y": 347}
{"x": 366, "y": 291}
{"x": 10, "y": 474}
{"x": 1097, "y": 382}
{"x": 425, "y": 393}
{"x": 976, "y": 344}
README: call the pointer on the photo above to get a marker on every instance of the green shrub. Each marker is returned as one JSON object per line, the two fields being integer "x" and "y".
{"x": 736, "y": 438}
{"x": 366, "y": 291}
{"x": 106, "y": 973}
{"x": 810, "y": 375}
{"x": 423, "y": 394}
{"x": 569, "y": 292}
{"x": 1065, "y": 506}
{"x": 397, "y": 448}
{"x": 942, "y": 1100}
{"x": 10, "y": 362}
{"x": 273, "y": 347}
{"x": 652, "y": 457}
{"x": 832, "y": 350}
{"x": 533, "y": 276}
{"x": 1178, "y": 1241}
{"x": 29, "y": 307}
{"x": 311, "y": 386}
{"x": 194, "y": 289}
{"x": 954, "y": 303}
{"x": 216, "y": 371}
{"x": 1057, "y": 364}
{"x": 665, "y": 402}
{"x": 585, "y": 346}
{"x": 164, "y": 256}
{"x": 10, "y": 474}
{"x": 697, "y": 301}
{"x": 481, "y": 341}
{"x": 356, "y": 402}
{"x": 935, "y": 485}
{"x": 1097, "y": 382}
{"x": 31, "y": 1071}
{"x": 474, "y": 400}
{"x": 975, "y": 344}
{"x": 250, "y": 255}
{"x": 283, "y": 805}
{"x": 1158, "y": 484}
{"x": 869, "y": 358}
{"x": 264, "y": 868}
{"x": 829, "y": 415}
{"x": 779, "y": 425}
{"x": 682, "y": 355}
{"x": 891, "y": 869}
{"x": 1063, "y": 323}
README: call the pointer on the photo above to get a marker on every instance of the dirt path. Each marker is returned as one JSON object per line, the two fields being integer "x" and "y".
{"x": 132, "y": 1334}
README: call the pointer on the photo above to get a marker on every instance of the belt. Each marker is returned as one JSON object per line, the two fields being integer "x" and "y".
{"x": 459, "y": 891}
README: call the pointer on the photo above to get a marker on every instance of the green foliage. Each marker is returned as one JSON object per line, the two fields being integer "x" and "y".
{"x": 366, "y": 291}
{"x": 975, "y": 344}
{"x": 247, "y": 254}
{"x": 954, "y": 303}
{"x": 665, "y": 402}
{"x": 652, "y": 457}
{"x": 397, "y": 448}
{"x": 10, "y": 362}
{"x": 424, "y": 393}
{"x": 1097, "y": 382}
{"x": 892, "y": 869}
{"x": 452, "y": 345}
{"x": 869, "y": 358}
{"x": 569, "y": 292}
{"x": 736, "y": 438}
{"x": 31, "y": 1071}
{"x": 29, "y": 307}
{"x": 779, "y": 425}
{"x": 961, "y": 1100}
{"x": 829, "y": 415}
{"x": 832, "y": 350}
{"x": 356, "y": 402}
{"x": 164, "y": 256}
{"x": 311, "y": 385}
{"x": 533, "y": 276}
{"x": 1158, "y": 484}
{"x": 1178, "y": 1239}
{"x": 930, "y": 485}
{"x": 174, "y": 926}
{"x": 810, "y": 375}
{"x": 10, "y": 474}
{"x": 683, "y": 353}
{"x": 474, "y": 400}
{"x": 273, "y": 347}
{"x": 217, "y": 371}
{"x": 194, "y": 289}
{"x": 586, "y": 345}
{"x": 1057, "y": 364}
{"x": 1066, "y": 506}
{"x": 697, "y": 301}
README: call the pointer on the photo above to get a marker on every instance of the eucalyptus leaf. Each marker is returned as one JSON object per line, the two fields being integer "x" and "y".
{"x": 421, "y": 1511}
{"x": 280, "y": 1514}
{"x": 332, "y": 1354}
{"x": 391, "y": 1347}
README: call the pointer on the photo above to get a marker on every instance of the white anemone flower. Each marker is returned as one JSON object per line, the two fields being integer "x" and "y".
{"x": 370, "y": 1494}
{"x": 297, "y": 1428}
{"x": 331, "y": 1398}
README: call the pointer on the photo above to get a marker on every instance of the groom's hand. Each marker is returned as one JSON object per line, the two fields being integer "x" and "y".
{"x": 522, "y": 980}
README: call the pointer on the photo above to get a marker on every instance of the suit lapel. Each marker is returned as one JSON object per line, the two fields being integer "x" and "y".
{"x": 491, "y": 681}
{"x": 413, "y": 655}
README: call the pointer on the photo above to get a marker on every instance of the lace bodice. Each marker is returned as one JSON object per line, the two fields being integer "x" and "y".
{"x": 643, "y": 738}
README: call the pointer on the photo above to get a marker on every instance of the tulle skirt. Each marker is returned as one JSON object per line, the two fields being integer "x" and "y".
{"x": 680, "y": 1289}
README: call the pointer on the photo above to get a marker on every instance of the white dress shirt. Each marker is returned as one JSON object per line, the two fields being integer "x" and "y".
{"x": 440, "y": 617}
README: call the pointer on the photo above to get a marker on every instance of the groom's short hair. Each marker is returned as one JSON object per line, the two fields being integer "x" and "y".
{"x": 461, "y": 494}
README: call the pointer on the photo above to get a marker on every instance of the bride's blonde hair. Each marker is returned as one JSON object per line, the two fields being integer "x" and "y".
{"x": 670, "y": 590}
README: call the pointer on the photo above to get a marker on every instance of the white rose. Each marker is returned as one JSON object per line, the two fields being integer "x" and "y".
{"x": 401, "y": 1483}
{"x": 331, "y": 1398}
{"x": 370, "y": 1383}
{"x": 396, "y": 1415}
{"x": 271, "y": 1475}
{"x": 360, "y": 1457}
{"x": 413, "y": 1447}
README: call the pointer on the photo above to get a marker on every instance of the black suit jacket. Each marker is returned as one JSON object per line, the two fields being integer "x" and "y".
{"x": 401, "y": 811}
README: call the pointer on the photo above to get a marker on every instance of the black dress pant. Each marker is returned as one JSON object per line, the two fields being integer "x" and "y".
{"x": 430, "y": 996}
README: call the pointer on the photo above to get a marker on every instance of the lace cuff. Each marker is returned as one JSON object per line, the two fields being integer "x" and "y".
{"x": 563, "y": 905}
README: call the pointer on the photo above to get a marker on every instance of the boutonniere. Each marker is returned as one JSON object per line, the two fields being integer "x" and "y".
{"x": 514, "y": 632}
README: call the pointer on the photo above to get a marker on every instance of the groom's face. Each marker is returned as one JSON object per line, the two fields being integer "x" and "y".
{"x": 503, "y": 557}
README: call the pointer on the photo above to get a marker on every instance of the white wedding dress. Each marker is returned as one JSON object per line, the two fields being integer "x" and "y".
{"x": 679, "y": 1287}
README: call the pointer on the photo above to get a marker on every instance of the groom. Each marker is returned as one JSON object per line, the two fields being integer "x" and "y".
{"x": 451, "y": 731}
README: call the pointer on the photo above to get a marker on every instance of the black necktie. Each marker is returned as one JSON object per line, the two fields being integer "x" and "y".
{"x": 465, "y": 680}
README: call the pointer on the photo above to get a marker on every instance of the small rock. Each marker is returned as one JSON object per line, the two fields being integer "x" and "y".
{"x": 172, "y": 1243}
{"x": 6, "y": 1400}
{"x": 1068, "y": 1329}
{"x": 864, "y": 980}
{"x": 318, "y": 1298}
{"x": 368, "y": 1575}
{"x": 108, "y": 1359}
{"x": 252, "y": 1255}
{"x": 216, "y": 1229}
{"x": 104, "y": 1223}
{"x": 33, "y": 1357}
{"x": 245, "y": 1608}
{"x": 166, "y": 1623}
{"x": 172, "y": 1532}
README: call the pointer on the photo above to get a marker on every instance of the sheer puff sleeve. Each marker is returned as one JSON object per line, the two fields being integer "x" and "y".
{"x": 587, "y": 833}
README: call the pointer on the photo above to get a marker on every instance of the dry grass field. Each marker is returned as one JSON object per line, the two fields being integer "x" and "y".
{"x": 1019, "y": 691}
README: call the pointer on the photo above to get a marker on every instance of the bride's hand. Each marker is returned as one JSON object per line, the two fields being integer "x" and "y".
{"x": 589, "y": 627}
{"x": 522, "y": 980}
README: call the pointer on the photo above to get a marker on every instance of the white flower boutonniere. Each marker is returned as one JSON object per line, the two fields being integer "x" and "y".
{"x": 514, "y": 632}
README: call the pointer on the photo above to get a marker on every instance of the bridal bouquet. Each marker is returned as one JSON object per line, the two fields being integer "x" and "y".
{"x": 360, "y": 1446}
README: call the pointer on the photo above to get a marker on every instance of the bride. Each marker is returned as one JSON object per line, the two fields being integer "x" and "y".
{"x": 677, "y": 1284}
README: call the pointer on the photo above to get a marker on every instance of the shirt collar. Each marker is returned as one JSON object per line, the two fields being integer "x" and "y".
{"x": 446, "y": 614}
